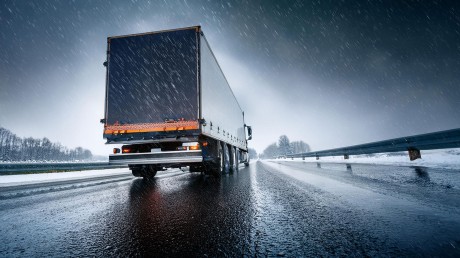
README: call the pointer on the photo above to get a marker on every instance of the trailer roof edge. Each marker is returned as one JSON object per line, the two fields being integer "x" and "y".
{"x": 197, "y": 28}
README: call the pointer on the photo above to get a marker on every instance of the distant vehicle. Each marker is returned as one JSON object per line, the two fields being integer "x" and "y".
{"x": 168, "y": 101}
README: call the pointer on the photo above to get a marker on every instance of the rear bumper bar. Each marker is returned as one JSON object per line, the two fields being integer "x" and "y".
{"x": 164, "y": 157}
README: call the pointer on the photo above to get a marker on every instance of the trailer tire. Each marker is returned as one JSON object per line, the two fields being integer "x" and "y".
{"x": 149, "y": 172}
{"x": 235, "y": 160}
{"x": 226, "y": 156}
{"x": 222, "y": 165}
{"x": 136, "y": 172}
{"x": 215, "y": 168}
{"x": 246, "y": 162}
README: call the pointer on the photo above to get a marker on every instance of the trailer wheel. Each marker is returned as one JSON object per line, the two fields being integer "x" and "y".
{"x": 222, "y": 164}
{"x": 226, "y": 156}
{"x": 149, "y": 172}
{"x": 136, "y": 172}
{"x": 215, "y": 168}
{"x": 220, "y": 168}
{"x": 246, "y": 160}
{"x": 236, "y": 159}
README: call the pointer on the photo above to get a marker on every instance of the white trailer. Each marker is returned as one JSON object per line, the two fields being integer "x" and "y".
{"x": 169, "y": 102}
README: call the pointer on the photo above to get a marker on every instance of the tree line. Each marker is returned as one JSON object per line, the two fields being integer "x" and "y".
{"x": 14, "y": 148}
{"x": 284, "y": 147}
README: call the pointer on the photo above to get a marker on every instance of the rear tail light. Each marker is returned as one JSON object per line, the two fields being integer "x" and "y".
{"x": 126, "y": 150}
{"x": 196, "y": 147}
{"x": 191, "y": 145}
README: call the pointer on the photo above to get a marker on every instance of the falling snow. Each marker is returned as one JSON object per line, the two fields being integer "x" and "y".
{"x": 328, "y": 73}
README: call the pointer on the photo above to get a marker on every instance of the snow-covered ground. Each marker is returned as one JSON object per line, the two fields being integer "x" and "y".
{"x": 52, "y": 161}
{"x": 12, "y": 180}
{"x": 447, "y": 158}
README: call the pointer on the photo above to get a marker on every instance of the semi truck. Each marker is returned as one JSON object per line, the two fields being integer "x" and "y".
{"x": 169, "y": 104}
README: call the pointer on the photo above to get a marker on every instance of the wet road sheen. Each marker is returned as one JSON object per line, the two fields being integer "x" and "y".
{"x": 267, "y": 209}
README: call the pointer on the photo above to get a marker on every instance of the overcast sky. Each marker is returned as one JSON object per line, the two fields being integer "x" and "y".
{"x": 329, "y": 73}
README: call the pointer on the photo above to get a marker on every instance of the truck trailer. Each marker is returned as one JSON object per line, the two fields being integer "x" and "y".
{"x": 168, "y": 102}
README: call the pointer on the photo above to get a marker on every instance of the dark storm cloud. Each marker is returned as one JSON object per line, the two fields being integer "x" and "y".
{"x": 332, "y": 73}
{"x": 391, "y": 53}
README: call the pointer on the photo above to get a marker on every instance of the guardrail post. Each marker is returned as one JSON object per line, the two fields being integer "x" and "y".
{"x": 303, "y": 157}
{"x": 414, "y": 154}
{"x": 317, "y": 157}
{"x": 345, "y": 156}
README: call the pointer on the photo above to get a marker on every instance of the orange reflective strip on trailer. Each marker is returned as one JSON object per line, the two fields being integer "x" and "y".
{"x": 151, "y": 127}
{"x": 156, "y": 129}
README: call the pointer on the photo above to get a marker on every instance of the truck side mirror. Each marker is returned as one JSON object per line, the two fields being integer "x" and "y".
{"x": 249, "y": 133}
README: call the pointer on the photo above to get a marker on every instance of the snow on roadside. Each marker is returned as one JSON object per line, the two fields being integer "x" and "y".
{"x": 52, "y": 162}
{"x": 447, "y": 159}
{"x": 25, "y": 179}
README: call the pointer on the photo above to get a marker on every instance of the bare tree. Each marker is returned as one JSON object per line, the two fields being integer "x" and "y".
{"x": 299, "y": 147}
{"x": 272, "y": 151}
{"x": 13, "y": 148}
{"x": 284, "y": 145}
{"x": 252, "y": 153}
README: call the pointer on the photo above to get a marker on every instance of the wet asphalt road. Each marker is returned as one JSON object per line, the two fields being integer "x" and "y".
{"x": 281, "y": 208}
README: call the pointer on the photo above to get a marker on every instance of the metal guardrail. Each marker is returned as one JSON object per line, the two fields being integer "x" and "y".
{"x": 412, "y": 144}
{"x": 22, "y": 168}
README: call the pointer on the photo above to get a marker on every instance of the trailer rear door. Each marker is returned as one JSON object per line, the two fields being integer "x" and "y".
{"x": 152, "y": 79}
